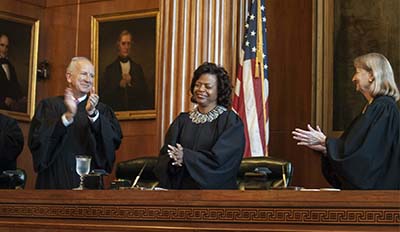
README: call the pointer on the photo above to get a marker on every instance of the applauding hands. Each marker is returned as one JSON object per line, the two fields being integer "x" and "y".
{"x": 312, "y": 138}
{"x": 92, "y": 102}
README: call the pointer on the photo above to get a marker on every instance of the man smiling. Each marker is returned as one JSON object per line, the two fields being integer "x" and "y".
{"x": 73, "y": 124}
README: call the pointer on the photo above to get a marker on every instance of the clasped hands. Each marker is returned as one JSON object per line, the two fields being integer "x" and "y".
{"x": 126, "y": 80}
{"x": 176, "y": 153}
{"x": 72, "y": 105}
{"x": 312, "y": 138}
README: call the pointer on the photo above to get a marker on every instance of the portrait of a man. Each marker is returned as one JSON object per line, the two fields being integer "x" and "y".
{"x": 18, "y": 59}
{"x": 123, "y": 86}
{"x": 124, "y": 54}
{"x": 11, "y": 97}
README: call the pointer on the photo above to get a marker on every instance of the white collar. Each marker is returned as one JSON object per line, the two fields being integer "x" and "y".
{"x": 81, "y": 99}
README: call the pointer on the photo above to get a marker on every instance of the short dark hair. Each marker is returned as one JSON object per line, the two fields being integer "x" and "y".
{"x": 223, "y": 82}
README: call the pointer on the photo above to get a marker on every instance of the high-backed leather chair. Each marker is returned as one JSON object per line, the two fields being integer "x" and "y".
{"x": 254, "y": 173}
{"x": 264, "y": 173}
{"x": 130, "y": 169}
{"x": 13, "y": 179}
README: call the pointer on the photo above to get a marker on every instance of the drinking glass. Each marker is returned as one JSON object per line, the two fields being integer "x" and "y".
{"x": 82, "y": 168}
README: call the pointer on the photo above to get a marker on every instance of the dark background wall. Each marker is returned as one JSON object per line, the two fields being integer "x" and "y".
{"x": 190, "y": 33}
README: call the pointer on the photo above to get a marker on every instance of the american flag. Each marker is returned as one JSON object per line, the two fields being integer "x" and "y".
{"x": 251, "y": 91}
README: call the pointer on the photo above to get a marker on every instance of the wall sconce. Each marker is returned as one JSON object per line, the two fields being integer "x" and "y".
{"x": 43, "y": 70}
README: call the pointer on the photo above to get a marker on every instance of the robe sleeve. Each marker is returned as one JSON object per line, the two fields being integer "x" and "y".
{"x": 45, "y": 135}
{"x": 361, "y": 158}
{"x": 11, "y": 140}
{"x": 169, "y": 176}
{"x": 108, "y": 135}
{"x": 213, "y": 168}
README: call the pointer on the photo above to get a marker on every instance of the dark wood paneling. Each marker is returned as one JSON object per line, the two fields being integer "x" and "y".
{"x": 199, "y": 210}
{"x": 36, "y": 3}
{"x": 289, "y": 32}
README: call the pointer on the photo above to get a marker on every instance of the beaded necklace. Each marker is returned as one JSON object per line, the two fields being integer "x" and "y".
{"x": 199, "y": 118}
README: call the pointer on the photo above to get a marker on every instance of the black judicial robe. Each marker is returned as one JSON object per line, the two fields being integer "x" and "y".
{"x": 11, "y": 143}
{"x": 212, "y": 153}
{"x": 55, "y": 146}
{"x": 367, "y": 155}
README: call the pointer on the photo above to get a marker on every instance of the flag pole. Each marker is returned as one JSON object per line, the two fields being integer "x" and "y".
{"x": 260, "y": 64}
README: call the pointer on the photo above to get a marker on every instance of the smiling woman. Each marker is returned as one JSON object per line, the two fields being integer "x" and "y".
{"x": 367, "y": 155}
{"x": 204, "y": 147}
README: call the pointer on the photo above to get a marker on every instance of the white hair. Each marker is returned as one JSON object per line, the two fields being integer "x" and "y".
{"x": 72, "y": 67}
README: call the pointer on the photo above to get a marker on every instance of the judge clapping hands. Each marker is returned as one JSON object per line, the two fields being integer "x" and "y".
{"x": 314, "y": 139}
{"x": 73, "y": 124}
{"x": 92, "y": 102}
{"x": 367, "y": 154}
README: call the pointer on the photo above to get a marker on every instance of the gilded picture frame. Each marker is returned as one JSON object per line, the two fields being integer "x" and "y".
{"x": 344, "y": 30}
{"x": 18, "y": 68}
{"x": 137, "y": 99}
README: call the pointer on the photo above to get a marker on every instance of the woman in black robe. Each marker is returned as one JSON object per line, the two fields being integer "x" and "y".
{"x": 204, "y": 147}
{"x": 367, "y": 155}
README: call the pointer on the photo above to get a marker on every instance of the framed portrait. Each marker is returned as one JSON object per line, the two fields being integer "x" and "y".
{"x": 19, "y": 37}
{"x": 124, "y": 52}
{"x": 346, "y": 29}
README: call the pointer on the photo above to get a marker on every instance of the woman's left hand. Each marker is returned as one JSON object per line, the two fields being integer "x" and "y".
{"x": 176, "y": 153}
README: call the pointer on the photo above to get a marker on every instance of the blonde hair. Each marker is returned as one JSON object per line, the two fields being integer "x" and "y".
{"x": 381, "y": 70}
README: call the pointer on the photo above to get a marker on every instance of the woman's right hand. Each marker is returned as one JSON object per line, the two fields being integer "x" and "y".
{"x": 312, "y": 138}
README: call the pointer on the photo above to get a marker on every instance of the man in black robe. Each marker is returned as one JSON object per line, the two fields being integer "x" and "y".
{"x": 73, "y": 124}
{"x": 123, "y": 86}
{"x": 11, "y": 143}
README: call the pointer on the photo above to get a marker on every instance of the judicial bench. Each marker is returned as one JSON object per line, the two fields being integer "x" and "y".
{"x": 206, "y": 210}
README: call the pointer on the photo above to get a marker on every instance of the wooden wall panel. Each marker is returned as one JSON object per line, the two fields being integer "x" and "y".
{"x": 36, "y": 3}
{"x": 289, "y": 26}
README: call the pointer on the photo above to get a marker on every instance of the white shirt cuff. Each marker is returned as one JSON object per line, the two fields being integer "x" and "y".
{"x": 96, "y": 116}
{"x": 65, "y": 120}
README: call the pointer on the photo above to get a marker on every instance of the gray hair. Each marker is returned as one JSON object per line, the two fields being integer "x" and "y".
{"x": 382, "y": 71}
{"x": 73, "y": 65}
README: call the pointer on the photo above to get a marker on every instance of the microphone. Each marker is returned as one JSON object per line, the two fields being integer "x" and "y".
{"x": 138, "y": 176}
{"x": 284, "y": 176}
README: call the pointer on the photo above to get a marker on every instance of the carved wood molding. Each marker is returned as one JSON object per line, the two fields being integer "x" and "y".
{"x": 328, "y": 216}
